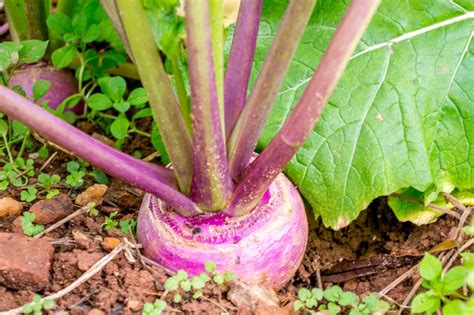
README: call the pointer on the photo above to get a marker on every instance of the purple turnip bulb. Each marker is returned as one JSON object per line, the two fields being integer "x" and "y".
{"x": 262, "y": 247}
{"x": 63, "y": 84}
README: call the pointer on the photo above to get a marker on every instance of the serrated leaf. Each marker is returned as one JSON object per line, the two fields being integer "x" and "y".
{"x": 63, "y": 56}
{"x": 401, "y": 115}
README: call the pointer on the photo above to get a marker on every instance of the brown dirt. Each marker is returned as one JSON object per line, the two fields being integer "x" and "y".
{"x": 364, "y": 257}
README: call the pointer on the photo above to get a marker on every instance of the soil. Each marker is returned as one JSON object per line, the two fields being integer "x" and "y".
{"x": 364, "y": 257}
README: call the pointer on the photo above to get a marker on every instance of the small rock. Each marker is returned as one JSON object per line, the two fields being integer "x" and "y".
{"x": 253, "y": 297}
{"x": 95, "y": 311}
{"x": 49, "y": 211}
{"x": 107, "y": 209}
{"x": 9, "y": 206}
{"x": 24, "y": 262}
{"x": 16, "y": 226}
{"x": 134, "y": 305}
{"x": 109, "y": 243}
{"x": 94, "y": 193}
{"x": 83, "y": 240}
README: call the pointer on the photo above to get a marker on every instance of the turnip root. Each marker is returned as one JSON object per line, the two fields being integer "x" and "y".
{"x": 262, "y": 247}
{"x": 63, "y": 84}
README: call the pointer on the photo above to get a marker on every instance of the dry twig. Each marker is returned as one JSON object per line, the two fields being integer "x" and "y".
{"x": 66, "y": 219}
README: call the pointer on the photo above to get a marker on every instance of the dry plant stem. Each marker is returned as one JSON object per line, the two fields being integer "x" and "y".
{"x": 66, "y": 219}
{"x": 319, "y": 279}
{"x": 244, "y": 136}
{"x": 83, "y": 278}
{"x": 411, "y": 294}
{"x": 215, "y": 303}
{"x": 458, "y": 204}
{"x": 149, "y": 177}
{"x": 447, "y": 256}
{"x": 458, "y": 252}
{"x": 48, "y": 161}
{"x": 163, "y": 101}
{"x": 443, "y": 257}
{"x": 393, "y": 301}
{"x": 211, "y": 187}
{"x": 240, "y": 60}
{"x": 397, "y": 281}
{"x": 298, "y": 126}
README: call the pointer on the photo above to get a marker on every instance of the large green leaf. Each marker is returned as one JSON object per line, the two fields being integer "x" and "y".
{"x": 402, "y": 115}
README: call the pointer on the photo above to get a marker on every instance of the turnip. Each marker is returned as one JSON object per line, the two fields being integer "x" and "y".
{"x": 215, "y": 203}
{"x": 27, "y": 21}
{"x": 63, "y": 84}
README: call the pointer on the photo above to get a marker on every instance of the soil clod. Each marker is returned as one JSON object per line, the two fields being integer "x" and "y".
{"x": 24, "y": 262}
{"x": 49, "y": 211}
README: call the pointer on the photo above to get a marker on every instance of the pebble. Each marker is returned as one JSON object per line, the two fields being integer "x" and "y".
{"x": 254, "y": 297}
{"x": 107, "y": 209}
{"x": 9, "y": 206}
{"x": 16, "y": 226}
{"x": 94, "y": 193}
{"x": 95, "y": 311}
{"x": 49, "y": 211}
{"x": 24, "y": 262}
{"x": 109, "y": 243}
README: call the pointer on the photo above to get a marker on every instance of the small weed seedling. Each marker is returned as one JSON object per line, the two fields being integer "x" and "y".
{"x": 128, "y": 226}
{"x": 46, "y": 182}
{"x": 29, "y": 194}
{"x": 16, "y": 173}
{"x": 155, "y": 308}
{"x": 29, "y": 228}
{"x": 334, "y": 300}
{"x": 181, "y": 285}
{"x": 38, "y": 305}
{"x": 75, "y": 179}
{"x": 112, "y": 96}
{"x": 77, "y": 172}
{"x": 444, "y": 289}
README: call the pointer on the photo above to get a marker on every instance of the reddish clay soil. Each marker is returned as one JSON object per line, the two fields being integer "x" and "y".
{"x": 364, "y": 257}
